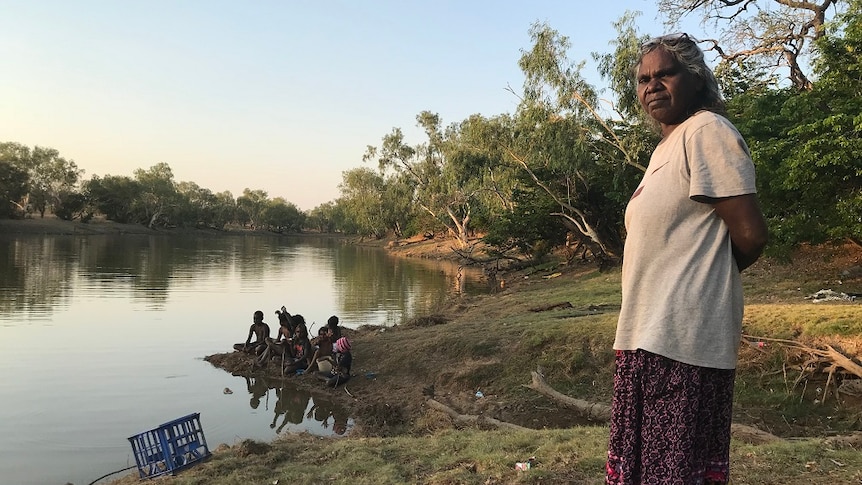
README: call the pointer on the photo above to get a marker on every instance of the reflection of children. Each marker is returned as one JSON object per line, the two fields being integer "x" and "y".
{"x": 291, "y": 404}
{"x": 257, "y": 388}
{"x": 260, "y": 331}
{"x": 340, "y": 373}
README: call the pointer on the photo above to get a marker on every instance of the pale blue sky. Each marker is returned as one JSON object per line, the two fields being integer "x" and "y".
{"x": 281, "y": 96}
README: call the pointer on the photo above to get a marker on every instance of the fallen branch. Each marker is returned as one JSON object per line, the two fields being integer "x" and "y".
{"x": 590, "y": 410}
{"x": 553, "y": 306}
{"x": 473, "y": 418}
{"x": 602, "y": 412}
{"x": 826, "y": 360}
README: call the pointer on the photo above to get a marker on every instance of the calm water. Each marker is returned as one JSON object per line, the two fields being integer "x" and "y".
{"x": 103, "y": 337}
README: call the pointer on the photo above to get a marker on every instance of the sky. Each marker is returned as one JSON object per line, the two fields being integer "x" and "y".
{"x": 281, "y": 96}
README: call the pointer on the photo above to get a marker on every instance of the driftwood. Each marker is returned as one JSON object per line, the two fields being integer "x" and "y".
{"x": 590, "y": 410}
{"x": 602, "y": 412}
{"x": 473, "y": 418}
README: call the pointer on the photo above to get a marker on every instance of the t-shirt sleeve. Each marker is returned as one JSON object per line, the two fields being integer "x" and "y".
{"x": 719, "y": 162}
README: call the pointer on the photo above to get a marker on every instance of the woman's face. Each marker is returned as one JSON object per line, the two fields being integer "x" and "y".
{"x": 665, "y": 90}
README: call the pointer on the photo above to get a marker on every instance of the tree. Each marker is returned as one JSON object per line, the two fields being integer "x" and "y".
{"x": 13, "y": 188}
{"x": 115, "y": 196}
{"x": 158, "y": 197}
{"x": 281, "y": 216}
{"x": 362, "y": 199}
{"x": 438, "y": 189}
{"x": 324, "y": 218}
{"x": 770, "y": 33}
{"x": 51, "y": 177}
{"x": 566, "y": 149}
{"x": 807, "y": 145}
{"x": 250, "y": 206}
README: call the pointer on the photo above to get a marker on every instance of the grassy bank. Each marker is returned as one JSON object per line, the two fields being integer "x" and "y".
{"x": 561, "y": 320}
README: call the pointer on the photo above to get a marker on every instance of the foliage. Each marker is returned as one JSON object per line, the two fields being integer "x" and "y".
{"x": 807, "y": 146}
{"x": 158, "y": 200}
{"x": 13, "y": 188}
{"x": 51, "y": 177}
{"x": 529, "y": 227}
{"x": 115, "y": 196}
{"x": 74, "y": 206}
{"x": 559, "y": 162}
{"x": 282, "y": 216}
{"x": 362, "y": 197}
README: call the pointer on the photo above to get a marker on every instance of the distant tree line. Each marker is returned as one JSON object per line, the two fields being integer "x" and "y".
{"x": 39, "y": 179}
{"x": 560, "y": 169}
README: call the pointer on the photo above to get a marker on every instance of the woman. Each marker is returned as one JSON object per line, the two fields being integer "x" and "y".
{"x": 693, "y": 224}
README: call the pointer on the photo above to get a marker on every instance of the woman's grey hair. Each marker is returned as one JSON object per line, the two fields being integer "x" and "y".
{"x": 684, "y": 49}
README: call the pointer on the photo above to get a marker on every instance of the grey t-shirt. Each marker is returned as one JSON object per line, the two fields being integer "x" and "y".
{"x": 682, "y": 292}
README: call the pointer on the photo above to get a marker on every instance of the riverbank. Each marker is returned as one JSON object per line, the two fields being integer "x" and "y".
{"x": 463, "y": 394}
{"x": 450, "y": 396}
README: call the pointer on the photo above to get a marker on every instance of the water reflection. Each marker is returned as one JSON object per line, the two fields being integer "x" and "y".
{"x": 38, "y": 273}
{"x": 66, "y": 302}
{"x": 296, "y": 406}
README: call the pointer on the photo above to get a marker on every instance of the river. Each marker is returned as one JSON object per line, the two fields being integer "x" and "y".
{"x": 103, "y": 338}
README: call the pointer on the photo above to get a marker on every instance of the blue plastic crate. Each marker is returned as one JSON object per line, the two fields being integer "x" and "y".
{"x": 171, "y": 447}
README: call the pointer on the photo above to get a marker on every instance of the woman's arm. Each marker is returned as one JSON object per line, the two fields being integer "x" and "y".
{"x": 748, "y": 233}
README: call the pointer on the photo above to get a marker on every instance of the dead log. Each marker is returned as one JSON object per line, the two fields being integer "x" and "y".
{"x": 602, "y": 412}
{"x": 473, "y": 418}
{"x": 552, "y": 306}
{"x": 590, "y": 410}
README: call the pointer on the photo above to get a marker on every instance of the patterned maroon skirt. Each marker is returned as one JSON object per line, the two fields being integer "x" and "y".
{"x": 670, "y": 422}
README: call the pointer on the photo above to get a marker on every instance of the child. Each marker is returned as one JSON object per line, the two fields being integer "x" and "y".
{"x": 340, "y": 373}
{"x": 260, "y": 331}
{"x": 323, "y": 348}
{"x": 278, "y": 347}
{"x": 300, "y": 351}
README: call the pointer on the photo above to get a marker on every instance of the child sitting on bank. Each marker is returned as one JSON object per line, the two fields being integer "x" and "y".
{"x": 300, "y": 350}
{"x": 323, "y": 346}
{"x": 260, "y": 331}
{"x": 340, "y": 372}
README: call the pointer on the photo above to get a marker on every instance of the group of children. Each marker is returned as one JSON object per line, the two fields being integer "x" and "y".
{"x": 328, "y": 353}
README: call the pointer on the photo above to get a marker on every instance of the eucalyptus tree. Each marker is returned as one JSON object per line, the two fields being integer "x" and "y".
{"x": 362, "y": 192}
{"x": 13, "y": 189}
{"x": 399, "y": 210}
{"x": 250, "y": 206}
{"x": 51, "y": 177}
{"x": 324, "y": 218}
{"x": 566, "y": 148}
{"x": 439, "y": 190}
{"x": 777, "y": 34}
{"x": 200, "y": 207}
{"x": 115, "y": 196}
{"x": 282, "y": 216}
{"x": 159, "y": 198}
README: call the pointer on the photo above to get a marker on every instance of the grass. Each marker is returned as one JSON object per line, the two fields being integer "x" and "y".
{"x": 492, "y": 342}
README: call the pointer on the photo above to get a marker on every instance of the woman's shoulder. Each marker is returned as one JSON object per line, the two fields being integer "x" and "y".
{"x": 708, "y": 121}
